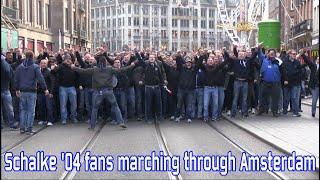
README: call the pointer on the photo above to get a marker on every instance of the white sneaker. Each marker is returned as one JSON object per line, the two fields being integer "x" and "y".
{"x": 189, "y": 120}
{"x": 49, "y": 124}
{"x": 253, "y": 111}
{"x": 177, "y": 119}
{"x": 229, "y": 113}
{"x": 41, "y": 122}
{"x": 172, "y": 118}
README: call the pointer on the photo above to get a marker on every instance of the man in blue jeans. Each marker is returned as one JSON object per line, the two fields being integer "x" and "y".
{"x": 291, "y": 91}
{"x": 6, "y": 99}
{"x": 242, "y": 67}
{"x": 102, "y": 83}
{"x": 68, "y": 80}
{"x": 26, "y": 77}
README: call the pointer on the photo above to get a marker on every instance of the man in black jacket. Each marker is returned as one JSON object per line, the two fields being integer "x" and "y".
{"x": 314, "y": 80}
{"x": 186, "y": 86}
{"x": 153, "y": 82}
{"x": 68, "y": 80}
{"x": 291, "y": 91}
{"x": 46, "y": 103}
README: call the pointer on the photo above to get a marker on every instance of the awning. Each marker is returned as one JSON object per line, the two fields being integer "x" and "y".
{"x": 303, "y": 34}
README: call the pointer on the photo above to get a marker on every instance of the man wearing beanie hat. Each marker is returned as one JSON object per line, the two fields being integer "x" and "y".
{"x": 67, "y": 80}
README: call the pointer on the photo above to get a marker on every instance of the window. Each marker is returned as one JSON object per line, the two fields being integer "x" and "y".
{"x": 145, "y": 21}
{"x": 174, "y": 11}
{"x": 211, "y": 24}
{"x": 195, "y": 34}
{"x": 163, "y": 11}
{"x": 145, "y": 10}
{"x": 119, "y": 22}
{"x": 174, "y": 23}
{"x": 203, "y": 34}
{"x": 129, "y": 33}
{"x": 66, "y": 19}
{"x": 136, "y": 21}
{"x": 195, "y": 12}
{"x": 291, "y": 5}
{"x": 174, "y": 34}
{"x": 97, "y": 13}
{"x": 163, "y": 33}
{"x": 92, "y": 13}
{"x": 195, "y": 23}
{"x": 108, "y": 11}
{"x": 129, "y": 10}
{"x": 103, "y": 24}
{"x": 114, "y": 22}
{"x": 108, "y": 23}
{"x": 92, "y": 24}
{"x": 211, "y": 13}
{"x": 74, "y": 21}
{"x": 97, "y": 24}
{"x": 29, "y": 11}
{"x": 184, "y": 23}
{"x": 203, "y": 24}
{"x": 136, "y": 9}
{"x": 39, "y": 13}
{"x": 203, "y": 12}
{"x": 48, "y": 16}
{"x": 103, "y": 12}
{"x": 129, "y": 21}
{"x": 163, "y": 22}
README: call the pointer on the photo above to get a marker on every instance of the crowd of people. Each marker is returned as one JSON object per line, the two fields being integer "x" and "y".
{"x": 151, "y": 85}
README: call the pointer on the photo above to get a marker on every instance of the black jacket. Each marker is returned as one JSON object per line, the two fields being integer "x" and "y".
{"x": 314, "y": 76}
{"x": 65, "y": 76}
{"x": 49, "y": 79}
{"x": 84, "y": 79}
{"x": 293, "y": 70}
{"x": 7, "y": 75}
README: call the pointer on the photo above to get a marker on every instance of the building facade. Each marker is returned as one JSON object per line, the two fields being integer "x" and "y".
{"x": 157, "y": 24}
{"x": 38, "y": 23}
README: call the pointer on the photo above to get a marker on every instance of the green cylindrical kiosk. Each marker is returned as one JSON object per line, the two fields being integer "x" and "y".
{"x": 269, "y": 33}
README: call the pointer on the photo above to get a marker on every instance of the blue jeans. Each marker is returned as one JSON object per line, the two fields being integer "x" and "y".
{"x": 130, "y": 99}
{"x": 218, "y": 102}
{"x": 198, "y": 102}
{"x": 88, "y": 100}
{"x": 81, "y": 103}
{"x": 27, "y": 110}
{"x": 291, "y": 94}
{"x": 6, "y": 103}
{"x": 315, "y": 98}
{"x": 240, "y": 87}
{"x": 46, "y": 108}
{"x": 209, "y": 93}
{"x": 139, "y": 90}
{"x": 66, "y": 93}
{"x": 16, "y": 107}
{"x": 152, "y": 93}
{"x": 121, "y": 97}
{"x": 185, "y": 97}
{"x": 97, "y": 97}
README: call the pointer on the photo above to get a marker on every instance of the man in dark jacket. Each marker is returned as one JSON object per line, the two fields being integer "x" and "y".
{"x": 46, "y": 103}
{"x": 68, "y": 81}
{"x": 214, "y": 86}
{"x": 6, "y": 98}
{"x": 26, "y": 77}
{"x": 242, "y": 67}
{"x": 186, "y": 86}
{"x": 314, "y": 80}
{"x": 153, "y": 82}
{"x": 102, "y": 83}
{"x": 291, "y": 91}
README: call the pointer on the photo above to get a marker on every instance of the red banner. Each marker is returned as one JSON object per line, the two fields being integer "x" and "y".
{"x": 30, "y": 45}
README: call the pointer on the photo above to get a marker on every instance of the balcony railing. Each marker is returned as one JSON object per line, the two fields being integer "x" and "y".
{"x": 11, "y": 13}
{"x": 302, "y": 27}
